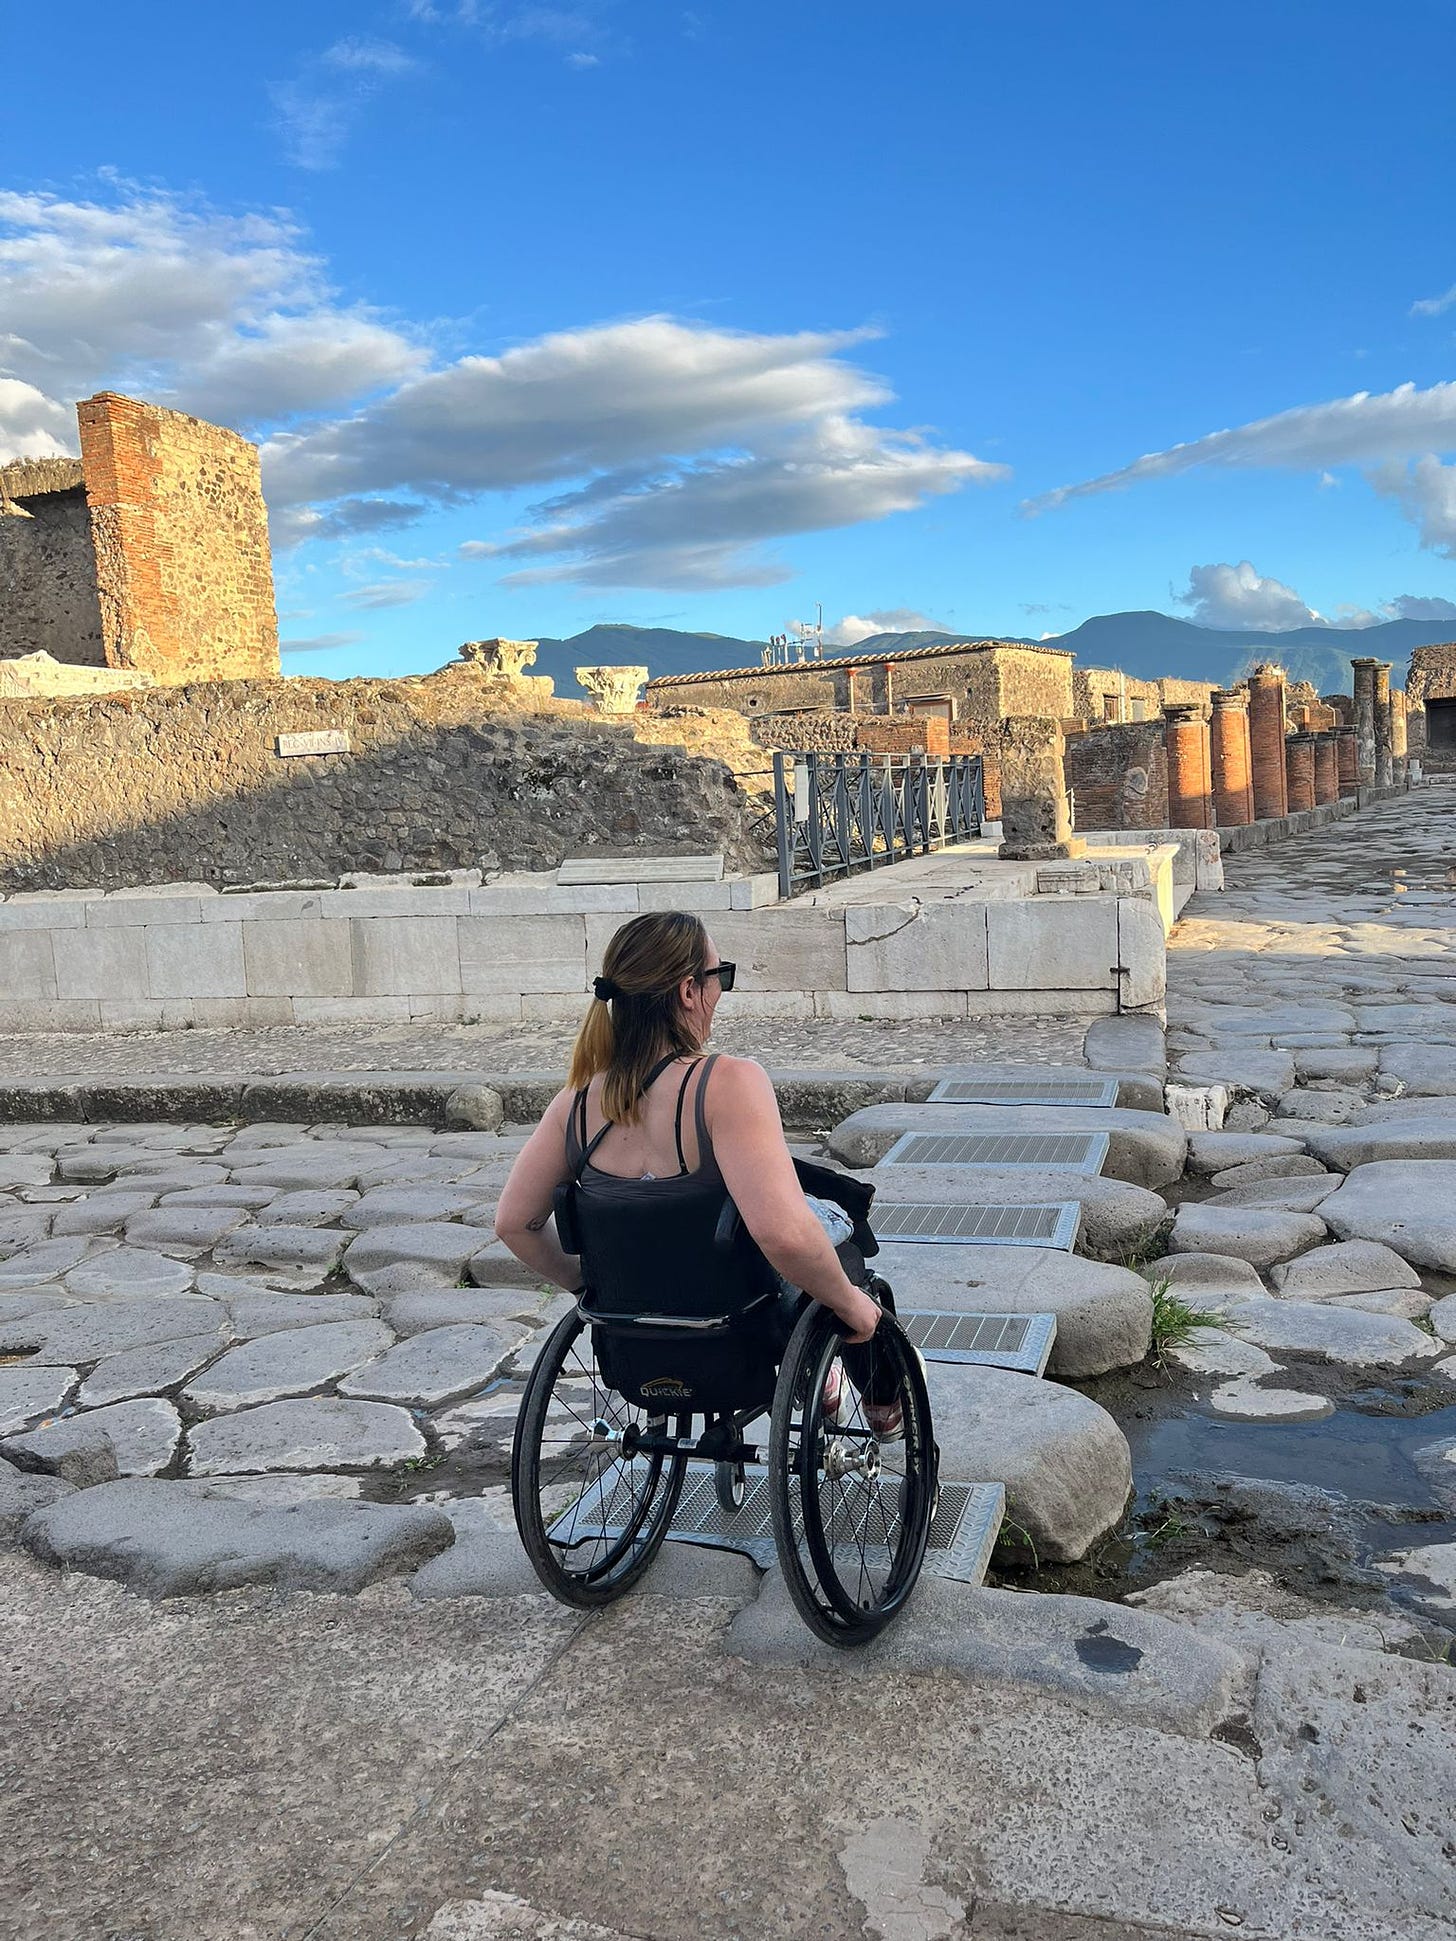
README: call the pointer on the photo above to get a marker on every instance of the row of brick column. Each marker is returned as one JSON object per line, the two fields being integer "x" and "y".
{"x": 1241, "y": 766}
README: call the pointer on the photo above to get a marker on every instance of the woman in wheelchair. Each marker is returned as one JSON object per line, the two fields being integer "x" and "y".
{"x": 708, "y": 1286}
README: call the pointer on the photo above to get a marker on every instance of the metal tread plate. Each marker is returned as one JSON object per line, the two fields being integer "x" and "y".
{"x": 1020, "y": 1342}
{"x": 1063, "y": 1152}
{"x": 1025, "y": 1091}
{"x": 1051, "y": 1223}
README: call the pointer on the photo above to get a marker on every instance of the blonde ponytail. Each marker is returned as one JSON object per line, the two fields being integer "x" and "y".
{"x": 635, "y": 1020}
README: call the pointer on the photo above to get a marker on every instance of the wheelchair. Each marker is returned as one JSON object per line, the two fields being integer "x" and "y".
{"x": 622, "y": 1398}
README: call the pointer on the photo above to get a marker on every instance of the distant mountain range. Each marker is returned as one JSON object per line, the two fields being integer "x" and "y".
{"x": 1145, "y": 645}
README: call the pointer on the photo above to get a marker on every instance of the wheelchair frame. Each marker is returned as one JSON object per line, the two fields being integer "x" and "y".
{"x": 831, "y": 1480}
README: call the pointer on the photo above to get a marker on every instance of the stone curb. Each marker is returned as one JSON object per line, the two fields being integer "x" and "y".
{"x": 806, "y": 1099}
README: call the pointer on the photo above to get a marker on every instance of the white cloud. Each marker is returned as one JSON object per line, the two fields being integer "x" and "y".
{"x": 225, "y": 316}
{"x": 1365, "y": 429}
{"x": 319, "y": 643}
{"x": 1434, "y": 306}
{"x": 677, "y": 453}
{"x": 1237, "y": 597}
{"x": 697, "y": 446}
{"x": 387, "y": 593}
{"x": 318, "y": 106}
{"x": 855, "y": 627}
{"x": 1428, "y": 607}
{"x": 1426, "y": 492}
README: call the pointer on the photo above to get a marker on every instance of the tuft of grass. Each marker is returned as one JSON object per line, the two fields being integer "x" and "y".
{"x": 1144, "y": 1247}
{"x": 1015, "y": 1537}
{"x": 1175, "y": 1323}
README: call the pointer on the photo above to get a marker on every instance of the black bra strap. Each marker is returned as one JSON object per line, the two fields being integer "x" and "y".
{"x": 589, "y": 1146}
{"x": 682, "y": 1093}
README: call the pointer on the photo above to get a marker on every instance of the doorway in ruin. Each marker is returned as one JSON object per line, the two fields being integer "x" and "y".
{"x": 1441, "y": 725}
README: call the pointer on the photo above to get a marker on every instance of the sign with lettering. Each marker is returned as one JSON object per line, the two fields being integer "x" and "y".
{"x": 321, "y": 741}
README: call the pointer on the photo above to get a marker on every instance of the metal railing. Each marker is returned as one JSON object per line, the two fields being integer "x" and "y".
{"x": 835, "y": 814}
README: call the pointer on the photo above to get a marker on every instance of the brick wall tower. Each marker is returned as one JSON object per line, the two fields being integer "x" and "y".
{"x": 1399, "y": 747}
{"x": 1299, "y": 772}
{"x": 180, "y": 532}
{"x": 1190, "y": 796}
{"x": 1384, "y": 761}
{"x": 1266, "y": 740}
{"x": 1347, "y": 755}
{"x": 1326, "y": 767}
{"x": 1233, "y": 779}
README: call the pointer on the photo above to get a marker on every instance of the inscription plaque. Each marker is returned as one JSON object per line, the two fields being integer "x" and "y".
{"x": 319, "y": 741}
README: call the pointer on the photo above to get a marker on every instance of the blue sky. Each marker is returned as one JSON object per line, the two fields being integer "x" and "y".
{"x": 618, "y": 310}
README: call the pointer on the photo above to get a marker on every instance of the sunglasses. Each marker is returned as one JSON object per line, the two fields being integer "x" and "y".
{"x": 725, "y": 974}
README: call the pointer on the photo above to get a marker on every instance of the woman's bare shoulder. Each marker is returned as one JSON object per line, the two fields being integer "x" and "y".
{"x": 739, "y": 1078}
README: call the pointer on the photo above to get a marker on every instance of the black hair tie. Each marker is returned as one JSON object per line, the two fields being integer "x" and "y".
{"x": 603, "y": 988}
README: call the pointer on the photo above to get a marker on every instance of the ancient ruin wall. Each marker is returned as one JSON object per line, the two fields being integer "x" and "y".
{"x": 180, "y": 533}
{"x": 48, "y": 595}
{"x": 187, "y": 784}
{"x": 1432, "y": 677}
{"x": 1118, "y": 776}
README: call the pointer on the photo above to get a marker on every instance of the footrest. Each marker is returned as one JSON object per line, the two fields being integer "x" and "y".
{"x": 1021, "y": 1342}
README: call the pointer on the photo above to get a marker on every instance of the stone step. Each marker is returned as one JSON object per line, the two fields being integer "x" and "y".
{"x": 1140, "y": 1090}
{"x": 578, "y": 871}
{"x": 1145, "y": 1148}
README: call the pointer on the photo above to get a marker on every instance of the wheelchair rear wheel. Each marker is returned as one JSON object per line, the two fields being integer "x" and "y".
{"x": 591, "y": 1511}
{"x": 852, "y": 1503}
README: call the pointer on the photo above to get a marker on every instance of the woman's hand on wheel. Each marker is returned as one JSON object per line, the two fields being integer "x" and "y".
{"x": 861, "y": 1319}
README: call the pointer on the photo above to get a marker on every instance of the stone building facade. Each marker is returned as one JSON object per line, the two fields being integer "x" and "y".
{"x": 974, "y": 685}
{"x": 1430, "y": 705}
{"x": 1106, "y": 694}
{"x": 148, "y": 555}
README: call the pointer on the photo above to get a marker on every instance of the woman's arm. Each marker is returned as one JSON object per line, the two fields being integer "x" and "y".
{"x": 758, "y": 1170}
{"x": 525, "y": 1201}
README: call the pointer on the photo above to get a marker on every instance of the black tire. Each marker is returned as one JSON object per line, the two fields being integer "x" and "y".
{"x": 851, "y": 1514}
{"x": 591, "y": 1562}
{"x": 731, "y": 1484}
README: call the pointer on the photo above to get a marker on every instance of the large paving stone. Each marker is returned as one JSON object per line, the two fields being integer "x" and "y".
{"x": 1214, "y": 1351}
{"x": 307, "y": 1172}
{"x": 307, "y": 1209}
{"x": 148, "y": 1371}
{"x": 1347, "y": 1267}
{"x": 389, "y": 1206}
{"x": 294, "y": 1361}
{"x": 1104, "y": 1313}
{"x": 22, "y": 1228}
{"x": 1117, "y": 1218}
{"x": 183, "y": 1230}
{"x": 250, "y": 1198}
{"x": 1349, "y": 1146}
{"x": 265, "y": 1312}
{"x": 1145, "y": 1148}
{"x": 144, "y": 1435}
{"x": 446, "y": 1307}
{"x": 301, "y": 1255}
{"x": 102, "y": 1212}
{"x": 317, "y": 1432}
{"x": 1326, "y": 1106}
{"x": 401, "y": 1259}
{"x": 439, "y": 1366}
{"x": 24, "y": 1169}
{"x": 1265, "y": 1073}
{"x": 1345, "y": 1062}
{"x": 22, "y": 1494}
{"x": 27, "y": 1394}
{"x": 1408, "y": 1204}
{"x": 1218, "y": 1151}
{"x": 1288, "y": 1195}
{"x": 173, "y": 1539}
{"x": 130, "y": 1274}
{"x": 87, "y": 1165}
{"x": 1139, "y": 1043}
{"x": 1246, "y": 1401}
{"x": 1346, "y": 1335}
{"x": 47, "y": 1260}
{"x": 168, "y": 1174}
{"x": 1442, "y": 1317}
{"x": 1395, "y": 1111}
{"x": 1259, "y": 1235}
{"x": 1421, "y": 1067}
{"x": 1064, "y": 1461}
{"x": 60, "y": 1336}
{"x": 1283, "y": 1165}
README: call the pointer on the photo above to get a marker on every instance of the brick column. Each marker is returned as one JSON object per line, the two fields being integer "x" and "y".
{"x": 1384, "y": 763}
{"x": 1327, "y": 767}
{"x": 1299, "y": 772}
{"x": 1233, "y": 779}
{"x": 1190, "y": 800}
{"x": 1347, "y": 757}
{"x": 1398, "y": 744}
{"x": 1266, "y": 740}
{"x": 1035, "y": 824}
{"x": 1364, "y": 677}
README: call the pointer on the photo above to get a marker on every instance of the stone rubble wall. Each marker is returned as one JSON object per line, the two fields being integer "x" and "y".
{"x": 1118, "y": 776}
{"x": 49, "y": 603}
{"x": 442, "y": 772}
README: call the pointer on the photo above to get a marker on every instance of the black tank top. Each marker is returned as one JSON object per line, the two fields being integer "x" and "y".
{"x": 660, "y": 1246}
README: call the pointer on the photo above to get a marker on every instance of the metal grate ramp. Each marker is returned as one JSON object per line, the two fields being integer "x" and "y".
{"x": 962, "y": 1536}
{"x": 1064, "y": 1152}
{"x": 1045, "y": 1224}
{"x": 1020, "y": 1342}
{"x": 1025, "y": 1091}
